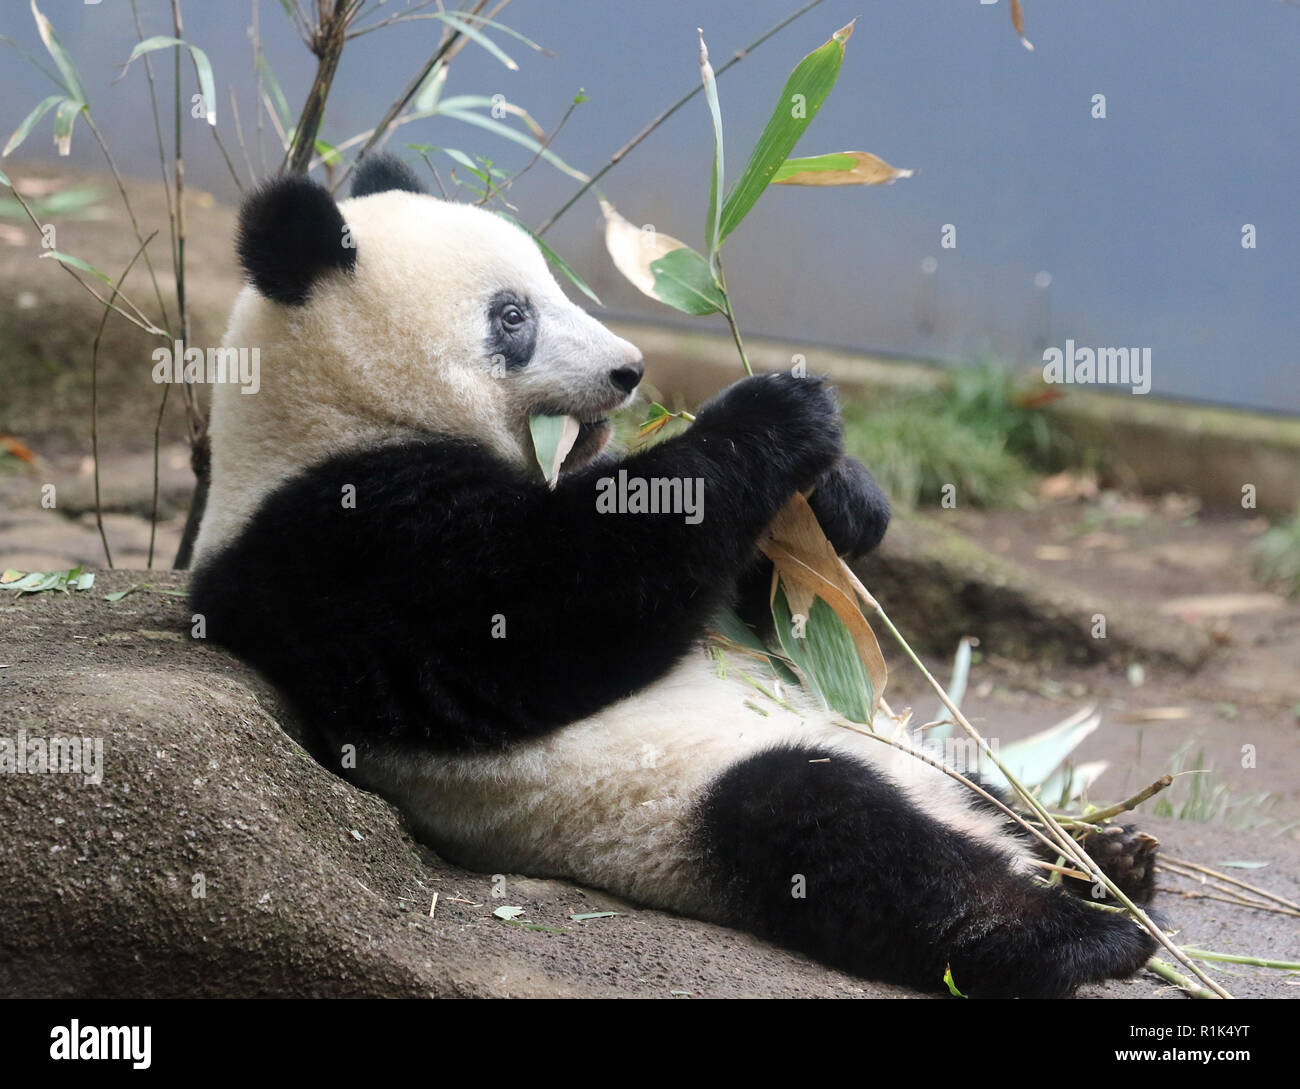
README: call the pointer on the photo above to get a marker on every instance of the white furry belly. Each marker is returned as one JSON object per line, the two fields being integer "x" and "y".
{"x": 607, "y": 800}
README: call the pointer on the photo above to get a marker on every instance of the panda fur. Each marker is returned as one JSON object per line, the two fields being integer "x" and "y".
{"x": 404, "y": 342}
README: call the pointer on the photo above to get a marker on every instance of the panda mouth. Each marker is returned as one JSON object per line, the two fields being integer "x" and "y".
{"x": 592, "y": 437}
{"x": 594, "y": 430}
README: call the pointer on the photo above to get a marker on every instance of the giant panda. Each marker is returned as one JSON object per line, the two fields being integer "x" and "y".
{"x": 521, "y": 673}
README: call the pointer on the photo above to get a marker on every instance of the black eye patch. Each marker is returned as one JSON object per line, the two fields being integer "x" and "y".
{"x": 512, "y": 330}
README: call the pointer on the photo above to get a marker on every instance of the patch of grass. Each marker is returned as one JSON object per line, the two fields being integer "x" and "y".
{"x": 1275, "y": 557}
{"x": 986, "y": 396}
{"x": 1195, "y": 797}
{"x": 981, "y": 431}
{"x": 916, "y": 446}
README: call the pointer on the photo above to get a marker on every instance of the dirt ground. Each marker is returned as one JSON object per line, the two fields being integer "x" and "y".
{"x": 1167, "y": 558}
{"x": 308, "y": 862}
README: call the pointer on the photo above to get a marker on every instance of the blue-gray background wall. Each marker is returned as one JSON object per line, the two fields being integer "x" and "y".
{"x": 1137, "y": 217}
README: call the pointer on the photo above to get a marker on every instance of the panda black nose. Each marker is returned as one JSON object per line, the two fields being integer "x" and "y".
{"x": 627, "y": 378}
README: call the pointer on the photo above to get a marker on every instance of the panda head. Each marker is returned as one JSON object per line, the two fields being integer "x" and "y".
{"x": 396, "y": 313}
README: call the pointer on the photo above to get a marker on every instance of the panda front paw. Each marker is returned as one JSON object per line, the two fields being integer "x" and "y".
{"x": 851, "y": 508}
{"x": 781, "y": 421}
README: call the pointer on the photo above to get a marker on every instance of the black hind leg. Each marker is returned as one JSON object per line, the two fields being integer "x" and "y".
{"x": 829, "y": 857}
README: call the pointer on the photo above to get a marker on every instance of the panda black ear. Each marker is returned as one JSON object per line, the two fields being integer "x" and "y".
{"x": 381, "y": 172}
{"x": 290, "y": 234}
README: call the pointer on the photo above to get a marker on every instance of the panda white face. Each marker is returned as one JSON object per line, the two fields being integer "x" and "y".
{"x": 392, "y": 315}
{"x": 430, "y": 316}
{"x": 477, "y": 335}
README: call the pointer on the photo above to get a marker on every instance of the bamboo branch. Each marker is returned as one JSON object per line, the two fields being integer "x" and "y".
{"x": 730, "y": 314}
{"x": 449, "y": 39}
{"x": 1227, "y": 897}
{"x": 1132, "y": 803}
{"x": 130, "y": 211}
{"x": 617, "y": 157}
{"x": 542, "y": 145}
{"x": 1232, "y": 958}
{"x": 326, "y": 41}
{"x": 157, "y": 439}
{"x": 1199, "y": 869}
{"x": 94, "y": 394}
{"x": 137, "y": 319}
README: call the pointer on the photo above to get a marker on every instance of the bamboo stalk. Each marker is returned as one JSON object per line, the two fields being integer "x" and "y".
{"x": 326, "y": 41}
{"x": 1167, "y": 971}
{"x": 1132, "y": 803}
{"x": 1232, "y": 958}
{"x": 1196, "y": 866}
{"x": 94, "y": 394}
{"x": 1230, "y": 898}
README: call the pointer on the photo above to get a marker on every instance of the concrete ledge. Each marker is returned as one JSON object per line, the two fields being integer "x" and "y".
{"x": 1151, "y": 444}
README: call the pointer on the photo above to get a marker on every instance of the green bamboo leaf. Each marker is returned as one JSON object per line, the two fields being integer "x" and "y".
{"x": 278, "y": 101}
{"x": 487, "y": 102}
{"x": 36, "y": 582}
{"x": 483, "y": 20}
{"x": 1033, "y": 759}
{"x": 52, "y": 77}
{"x": 506, "y": 132}
{"x": 71, "y": 81}
{"x": 426, "y": 98}
{"x": 553, "y": 438}
{"x": 458, "y": 21}
{"x": 207, "y": 85}
{"x": 482, "y": 102}
{"x": 29, "y": 122}
{"x": 555, "y": 259}
{"x": 64, "y": 118}
{"x": 1069, "y": 783}
{"x": 4, "y": 180}
{"x": 839, "y": 168}
{"x": 728, "y": 624}
{"x": 467, "y": 163}
{"x": 951, "y": 983}
{"x": 713, "y": 224}
{"x": 329, "y": 154}
{"x": 77, "y": 262}
{"x": 118, "y": 595}
{"x": 804, "y": 92}
{"x": 656, "y": 417}
{"x": 684, "y": 281}
{"x": 956, "y": 690}
{"x": 80, "y": 202}
{"x": 661, "y": 266}
{"x": 827, "y": 657}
